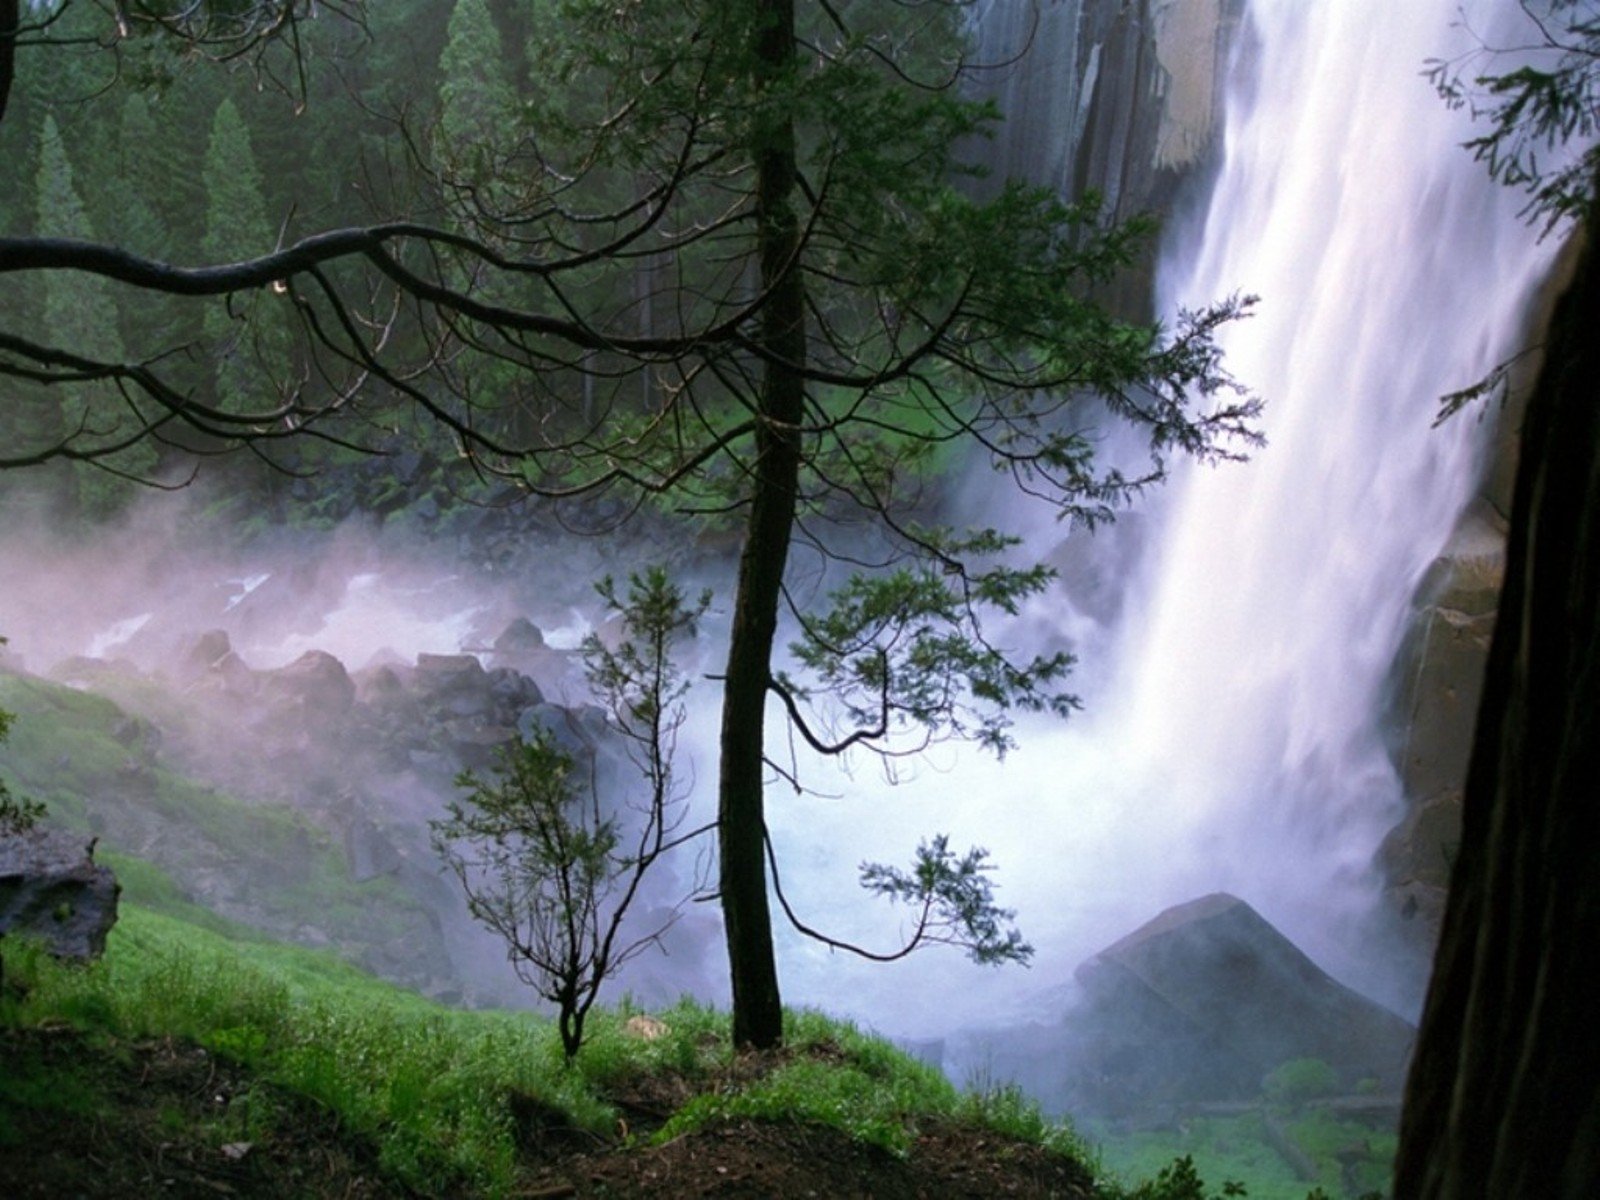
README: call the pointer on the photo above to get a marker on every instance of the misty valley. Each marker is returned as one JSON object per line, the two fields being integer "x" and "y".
{"x": 769, "y": 599}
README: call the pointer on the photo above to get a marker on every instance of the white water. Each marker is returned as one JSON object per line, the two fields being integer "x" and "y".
{"x": 1235, "y": 743}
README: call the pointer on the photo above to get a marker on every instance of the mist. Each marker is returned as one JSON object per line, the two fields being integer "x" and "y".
{"x": 1236, "y": 634}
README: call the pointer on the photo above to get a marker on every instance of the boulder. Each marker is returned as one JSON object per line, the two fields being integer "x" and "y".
{"x": 315, "y": 684}
{"x": 369, "y": 851}
{"x": 452, "y": 685}
{"x": 1201, "y": 1003}
{"x": 521, "y": 636}
{"x": 208, "y": 649}
{"x": 51, "y": 888}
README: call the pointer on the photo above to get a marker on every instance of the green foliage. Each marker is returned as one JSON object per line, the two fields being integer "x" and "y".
{"x": 477, "y": 106}
{"x": 542, "y": 864}
{"x": 1180, "y": 1180}
{"x": 1298, "y": 1080}
{"x": 954, "y": 899}
{"x": 435, "y": 1088}
{"x": 80, "y": 313}
{"x": 1537, "y": 109}
{"x": 840, "y": 1077}
{"x": 1350, "y": 1157}
{"x": 430, "y": 1086}
{"x": 906, "y": 650}
{"x": 65, "y": 750}
{"x": 251, "y": 332}
{"x": 17, "y": 813}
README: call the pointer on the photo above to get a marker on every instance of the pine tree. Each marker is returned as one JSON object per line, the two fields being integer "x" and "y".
{"x": 79, "y": 311}
{"x": 477, "y": 106}
{"x": 250, "y": 333}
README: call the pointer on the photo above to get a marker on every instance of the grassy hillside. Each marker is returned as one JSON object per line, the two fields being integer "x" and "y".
{"x": 263, "y": 866}
{"x": 446, "y": 1102}
{"x": 206, "y": 1055}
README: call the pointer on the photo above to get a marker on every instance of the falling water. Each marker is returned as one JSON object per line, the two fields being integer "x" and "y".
{"x": 1235, "y": 743}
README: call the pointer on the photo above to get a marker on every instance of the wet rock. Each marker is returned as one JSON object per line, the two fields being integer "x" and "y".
{"x": 1202, "y": 1002}
{"x": 369, "y": 851}
{"x": 52, "y": 889}
{"x": 316, "y": 684}
{"x": 208, "y": 649}
{"x": 520, "y": 636}
{"x": 1439, "y": 682}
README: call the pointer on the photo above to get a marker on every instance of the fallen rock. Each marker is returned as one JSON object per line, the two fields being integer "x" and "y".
{"x": 52, "y": 889}
{"x": 1206, "y": 999}
{"x": 315, "y": 684}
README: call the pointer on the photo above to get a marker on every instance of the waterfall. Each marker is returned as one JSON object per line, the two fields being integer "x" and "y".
{"x": 1234, "y": 742}
{"x": 1391, "y": 271}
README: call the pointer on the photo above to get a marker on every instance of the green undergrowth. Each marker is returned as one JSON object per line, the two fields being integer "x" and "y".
{"x": 439, "y": 1091}
{"x": 95, "y": 769}
{"x": 1352, "y": 1160}
{"x": 836, "y": 1075}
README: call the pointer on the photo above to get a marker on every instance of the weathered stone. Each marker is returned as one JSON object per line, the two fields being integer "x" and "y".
{"x": 207, "y": 650}
{"x": 1443, "y": 702}
{"x": 1206, "y": 999}
{"x": 1466, "y": 578}
{"x": 369, "y": 851}
{"x": 316, "y": 681}
{"x": 1423, "y": 846}
{"x": 521, "y": 635}
{"x": 436, "y": 671}
{"x": 1119, "y": 97}
{"x": 52, "y": 889}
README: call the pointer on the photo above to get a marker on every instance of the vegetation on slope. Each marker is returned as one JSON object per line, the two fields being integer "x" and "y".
{"x": 421, "y": 1098}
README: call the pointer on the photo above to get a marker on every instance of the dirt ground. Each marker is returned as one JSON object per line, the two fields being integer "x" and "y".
{"x": 151, "y": 1119}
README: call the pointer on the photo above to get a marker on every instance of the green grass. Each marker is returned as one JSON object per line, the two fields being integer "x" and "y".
{"x": 428, "y": 1084}
{"x": 1236, "y": 1149}
{"x": 65, "y": 750}
{"x": 434, "y": 1088}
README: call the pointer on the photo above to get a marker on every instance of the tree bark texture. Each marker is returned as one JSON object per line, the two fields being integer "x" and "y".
{"x": 10, "y": 22}
{"x": 1503, "y": 1099}
{"x": 757, "y": 1007}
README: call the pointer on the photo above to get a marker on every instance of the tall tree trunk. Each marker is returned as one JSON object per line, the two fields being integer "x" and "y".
{"x": 1504, "y": 1094}
{"x": 757, "y": 1008}
{"x": 10, "y": 22}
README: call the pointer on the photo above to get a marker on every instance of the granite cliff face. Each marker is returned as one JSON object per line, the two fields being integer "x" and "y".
{"x": 1119, "y": 97}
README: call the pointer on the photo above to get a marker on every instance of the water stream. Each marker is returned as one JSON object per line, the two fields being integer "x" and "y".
{"x": 1233, "y": 742}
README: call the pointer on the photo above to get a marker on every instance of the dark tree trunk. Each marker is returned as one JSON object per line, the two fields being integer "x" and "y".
{"x": 1504, "y": 1094}
{"x": 10, "y": 22}
{"x": 757, "y": 1008}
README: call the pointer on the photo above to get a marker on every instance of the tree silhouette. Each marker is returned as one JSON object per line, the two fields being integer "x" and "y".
{"x": 830, "y": 317}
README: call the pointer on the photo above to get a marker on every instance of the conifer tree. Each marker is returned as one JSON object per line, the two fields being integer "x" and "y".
{"x": 477, "y": 106}
{"x": 80, "y": 311}
{"x": 250, "y": 334}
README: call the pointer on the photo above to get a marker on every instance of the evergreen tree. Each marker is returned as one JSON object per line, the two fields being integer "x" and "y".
{"x": 477, "y": 107}
{"x": 79, "y": 311}
{"x": 250, "y": 334}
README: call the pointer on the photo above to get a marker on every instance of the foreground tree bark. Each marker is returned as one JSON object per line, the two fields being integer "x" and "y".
{"x": 1502, "y": 1100}
{"x": 747, "y": 920}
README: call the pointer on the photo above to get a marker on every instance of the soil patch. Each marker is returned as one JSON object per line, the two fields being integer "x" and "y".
{"x": 163, "y": 1118}
{"x": 93, "y": 1118}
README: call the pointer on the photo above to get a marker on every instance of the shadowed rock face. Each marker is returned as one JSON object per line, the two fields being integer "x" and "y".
{"x": 51, "y": 889}
{"x": 1206, "y": 999}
